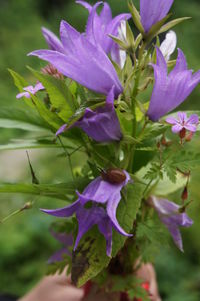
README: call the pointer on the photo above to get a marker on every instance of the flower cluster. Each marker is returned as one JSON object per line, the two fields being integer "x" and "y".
{"x": 107, "y": 62}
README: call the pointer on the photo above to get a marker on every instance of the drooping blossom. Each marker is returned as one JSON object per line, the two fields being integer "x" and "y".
{"x": 30, "y": 90}
{"x": 152, "y": 11}
{"x": 67, "y": 241}
{"x": 102, "y": 125}
{"x": 172, "y": 217}
{"x": 183, "y": 122}
{"x": 170, "y": 90}
{"x": 82, "y": 61}
{"x": 105, "y": 198}
{"x": 99, "y": 27}
{"x": 168, "y": 46}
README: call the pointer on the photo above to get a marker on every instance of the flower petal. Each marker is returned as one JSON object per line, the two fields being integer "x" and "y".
{"x": 168, "y": 46}
{"x": 53, "y": 42}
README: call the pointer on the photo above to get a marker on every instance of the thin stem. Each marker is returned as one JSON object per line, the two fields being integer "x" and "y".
{"x": 68, "y": 156}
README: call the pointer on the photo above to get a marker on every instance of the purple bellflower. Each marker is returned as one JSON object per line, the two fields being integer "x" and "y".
{"x": 82, "y": 61}
{"x": 152, "y": 11}
{"x": 99, "y": 27}
{"x": 102, "y": 125}
{"x": 30, "y": 90}
{"x": 183, "y": 122}
{"x": 67, "y": 241}
{"x": 170, "y": 215}
{"x": 170, "y": 90}
{"x": 105, "y": 198}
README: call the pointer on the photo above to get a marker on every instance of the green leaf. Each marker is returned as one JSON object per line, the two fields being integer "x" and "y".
{"x": 155, "y": 28}
{"x": 172, "y": 23}
{"x": 51, "y": 118}
{"x": 21, "y": 119}
{"x": 126, "y": 214}
{"x": 90, "y": 257}
{"x": 33, "y": 144}
{"x": 20, "y": 83}
{"x": 59, "y": 191}
{"x": 136, "y": 16}
{"x": 60, "y": 96}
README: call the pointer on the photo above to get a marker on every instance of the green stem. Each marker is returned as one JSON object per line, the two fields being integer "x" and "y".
{"x": 133, "y": 104}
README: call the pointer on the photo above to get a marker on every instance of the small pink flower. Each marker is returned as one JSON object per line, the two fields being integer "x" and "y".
{"x": 30, "y": 90}
{"x": 183, "y": 123}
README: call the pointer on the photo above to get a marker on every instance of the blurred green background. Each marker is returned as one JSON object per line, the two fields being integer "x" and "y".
{"x": 25, "y": 242}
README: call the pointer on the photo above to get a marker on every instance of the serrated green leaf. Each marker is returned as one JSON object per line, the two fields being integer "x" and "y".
{"x": 60, "y": 96}
{"x": 172, "y": 23}
{"x": 51, "y": 118}
{"x": 126, "y": 214}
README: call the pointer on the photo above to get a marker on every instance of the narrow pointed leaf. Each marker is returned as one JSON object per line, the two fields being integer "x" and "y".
{"x": 172, "y": 23}
{"x": 136, "y": 16}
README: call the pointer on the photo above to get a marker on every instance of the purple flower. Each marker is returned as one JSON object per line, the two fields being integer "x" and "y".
{"x": 82, "y": 61}
{"x": 102, "y": 125}
{"x": 170, "y": 90}
{"x": 183, "y": 122}
{"x": 105, "y": 198}
{"x": 30, "y": 90}
{"x": 152, "y": 11}
{"x": 170, "y": 215}
{"x": 99, "y": 27}
{"x": 53, "y": 42}
{"x": 67, "y": 241}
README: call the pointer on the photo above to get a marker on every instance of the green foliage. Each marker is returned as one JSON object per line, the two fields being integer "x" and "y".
{"x": 59, "y": 191}
{"x": 127, "y": 212}
{"x": 89, "y": 258}
{"x": 60, "y": 96}
{"x": 21, "y": 119}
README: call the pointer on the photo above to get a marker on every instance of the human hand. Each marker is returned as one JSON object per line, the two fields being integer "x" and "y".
{"x": 54, "y": 288}
{"x": 59, "y": 288}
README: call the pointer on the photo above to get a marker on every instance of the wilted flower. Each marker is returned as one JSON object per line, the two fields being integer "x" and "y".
{"x": 183, "y": 122}
{"x": 30, "y": 90}
{"x": 101, "y": 193}
{"x": 102, "y": 125}
{"x": 152, "y": 11}
{"x": 82, "y": 61}
{"x": 171, "y": 215}
{"x": 99, "y": 27}
{"x": 170, "y": 90}
{"x": 168, "y": 46}
{"x": 67, "y": 241}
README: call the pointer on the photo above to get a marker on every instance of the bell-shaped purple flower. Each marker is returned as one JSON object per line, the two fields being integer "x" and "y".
{"x": 30, "y": 90}
{"x": 67, "y": 241}
{"x": 105, "y": 197}
{"x": 152, "y": 11}
{"x": 82, "y": 61}
{"x": 170, "y": 215}
{"x": 99, "y": 27}
{"x": 183, "y": 122}
{"x": 102, "y": 125}
{"x": 170, "y": 90}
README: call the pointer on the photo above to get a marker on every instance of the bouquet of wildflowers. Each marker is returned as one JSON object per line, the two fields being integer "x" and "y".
{"x": 108, "y": 95}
